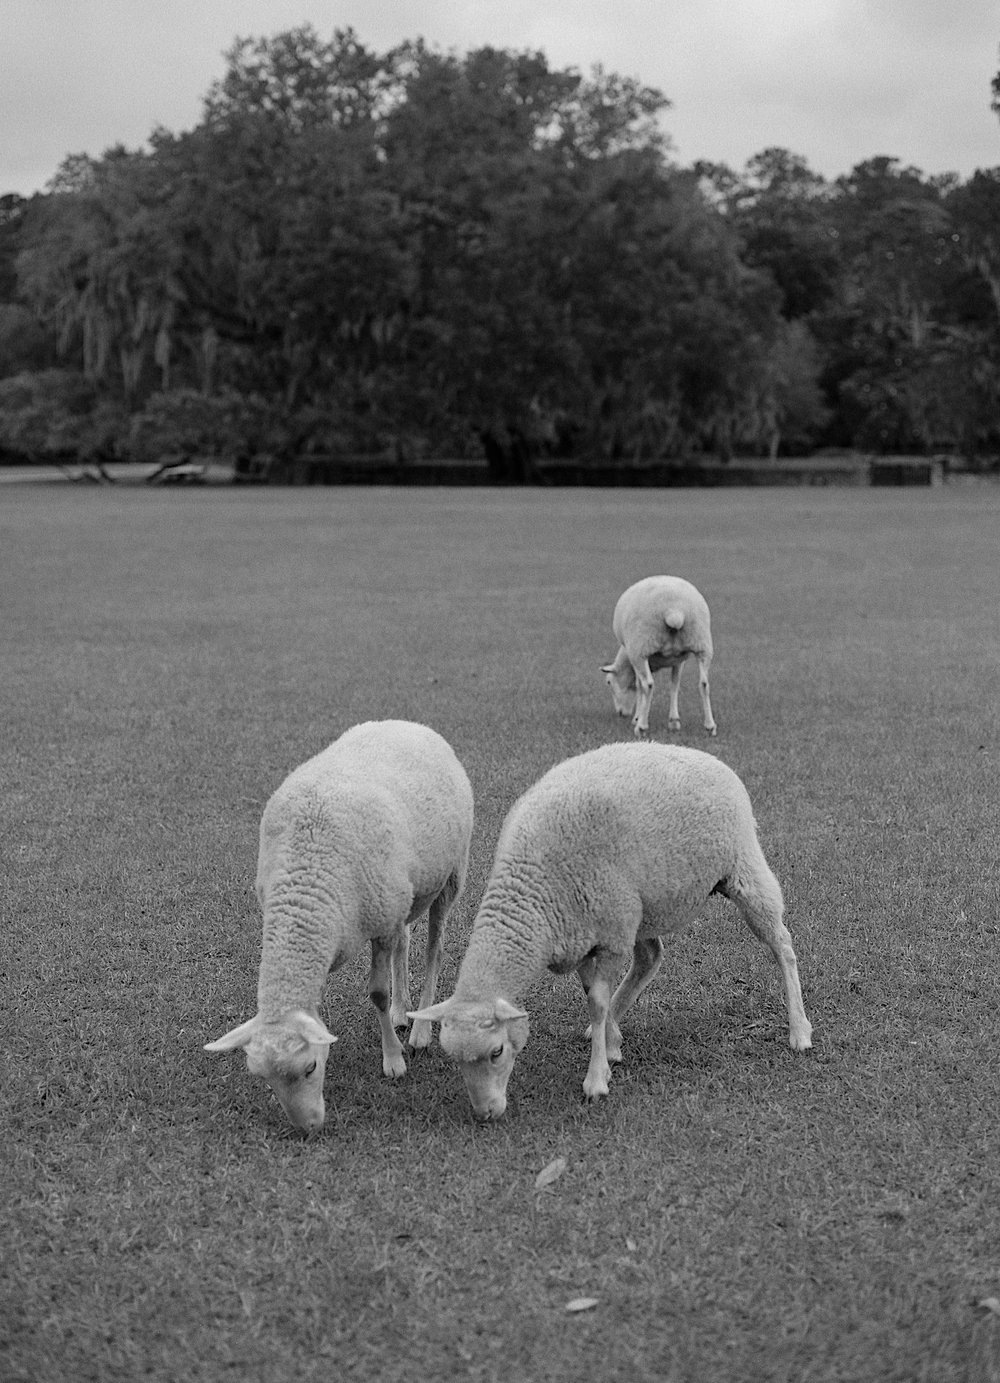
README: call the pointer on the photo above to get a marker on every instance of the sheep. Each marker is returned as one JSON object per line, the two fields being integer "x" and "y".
{"x": 606, "y": 853}
{"x": 659, "y": 622}
{"x": 355, "y": 845}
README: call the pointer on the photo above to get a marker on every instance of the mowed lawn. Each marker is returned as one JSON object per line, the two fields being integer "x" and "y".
{"x": 736, "y": 1212}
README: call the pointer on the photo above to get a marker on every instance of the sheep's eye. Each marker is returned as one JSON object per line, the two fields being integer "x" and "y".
{"x": 496, "y": 1054}
{"x": 309, "y": 1069}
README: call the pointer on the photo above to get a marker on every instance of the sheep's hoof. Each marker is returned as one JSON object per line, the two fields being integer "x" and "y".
{"x": 394, "y": 1067}
{"x": 674, "y": 725}
{"x": 710, "y": 731}
{"x": 641, "y": 732}
{"x": 800, "y": 1041}
{"x": 420, "y": 1035}
{"x": 596, "y": 1085}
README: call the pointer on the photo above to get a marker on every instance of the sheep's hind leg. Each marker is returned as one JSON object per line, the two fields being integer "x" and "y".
{"x": 674, "y": 710}
{"x": 758, "y": 897}
{"x": 437, "y": 918}
{"x": 393, "y": 1063}
{"x": 706, "y": 704}
{"x": 643, "y": 697}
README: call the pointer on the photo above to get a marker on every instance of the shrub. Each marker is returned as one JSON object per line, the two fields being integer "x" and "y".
{"x": 50, "y": 413}
{"x": 226, "y": 424}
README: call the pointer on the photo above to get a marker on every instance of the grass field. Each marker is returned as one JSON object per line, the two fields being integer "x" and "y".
{"x": 738, "y": 1213}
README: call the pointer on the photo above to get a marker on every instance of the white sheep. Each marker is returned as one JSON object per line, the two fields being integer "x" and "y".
{"x": 606, "y": 853}
{"x": 355, "y": 844}
{"x": 659, "y": 622}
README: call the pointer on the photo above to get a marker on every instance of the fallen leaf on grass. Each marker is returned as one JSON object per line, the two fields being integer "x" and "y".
{"x": 991, "y": 1304}
{"x": 892, "y": 1208}
{"x": 550, "y": 1173}
{"x": 581, "y": 1304}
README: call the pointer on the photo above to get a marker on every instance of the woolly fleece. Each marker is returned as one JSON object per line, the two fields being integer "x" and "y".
{"x": 606, "y": 853}
{"x": 355, "y": 845}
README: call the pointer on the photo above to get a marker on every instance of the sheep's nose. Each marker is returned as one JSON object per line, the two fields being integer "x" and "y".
{"x": 310, "y": 1123}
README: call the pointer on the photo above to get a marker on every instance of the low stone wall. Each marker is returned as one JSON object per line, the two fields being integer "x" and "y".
{"x": 905, "y": 470}
{"x": 851, "y": 469}
{"x": 706, "y": 474}
{"x": 329, "y": 470}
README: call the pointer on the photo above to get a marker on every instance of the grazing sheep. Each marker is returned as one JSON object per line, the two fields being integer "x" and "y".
{"x": 355, "y": 844}
{"x": 659, "y": 622}
{"x": 606, "y": 853}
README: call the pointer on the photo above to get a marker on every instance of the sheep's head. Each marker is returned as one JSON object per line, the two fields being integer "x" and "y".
{"x": 622, "y": 684}
{"x": 291, "y": 1056}
{"x": 484, "y": 1037}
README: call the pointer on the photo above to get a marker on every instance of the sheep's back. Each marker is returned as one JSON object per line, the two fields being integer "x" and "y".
{"x": 387, "y": 803}
{"x": 640, "y": 615}
{"x": 671, "y": 820}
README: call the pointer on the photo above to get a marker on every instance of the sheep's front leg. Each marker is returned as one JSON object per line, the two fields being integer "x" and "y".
{"x": 612, "y": 1036}
{"x": 598, "y": 1074}
{"x": 596, "y": 971}
{"x": 706, "y": 705}
{"x": 378, "y": 991}
{"x": 643, "y": 697}
{"x": 674, "y": 712}
{"x": 399, "y": 959}
{"x": 437, "y": 917}
{"x": 647, "y": 956}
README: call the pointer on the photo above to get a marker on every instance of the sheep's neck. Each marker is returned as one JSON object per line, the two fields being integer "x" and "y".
{"x": 299, "y": 948}
{"x": 508, "y": 950}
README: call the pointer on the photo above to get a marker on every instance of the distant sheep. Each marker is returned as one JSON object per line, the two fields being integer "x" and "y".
{"x": 355, "y": 844}
{"x": 659, "y": 622}
{"x": 609, "y": 851}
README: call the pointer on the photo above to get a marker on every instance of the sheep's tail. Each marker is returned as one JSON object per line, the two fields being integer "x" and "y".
{"x": 674, "y": 620}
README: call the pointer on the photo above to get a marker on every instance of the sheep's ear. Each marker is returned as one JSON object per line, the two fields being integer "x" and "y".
{"x": 237, "y": 1037}
{"x": 504, "y": 1011}
{"x": 608, "y": 667}
{"x": 307, "y": 1027}
{"x": 434, "y": 1014}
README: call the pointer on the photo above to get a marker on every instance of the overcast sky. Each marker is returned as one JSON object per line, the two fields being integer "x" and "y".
{"x": 837, "y": 81}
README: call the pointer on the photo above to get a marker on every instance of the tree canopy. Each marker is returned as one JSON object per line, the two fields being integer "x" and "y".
{"x": 419, "y": 252}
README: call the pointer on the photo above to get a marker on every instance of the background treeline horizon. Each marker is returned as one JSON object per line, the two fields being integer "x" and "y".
{"x": 417, "y": 253}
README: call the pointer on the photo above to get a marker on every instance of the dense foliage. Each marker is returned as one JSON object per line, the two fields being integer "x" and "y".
{"x": 417, "y": 252}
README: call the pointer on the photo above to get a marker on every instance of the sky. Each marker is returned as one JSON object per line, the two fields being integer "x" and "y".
{"x": 835, "y": 81}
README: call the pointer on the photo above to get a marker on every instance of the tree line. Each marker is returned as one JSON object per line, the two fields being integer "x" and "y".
{"x": 417, "y": 253}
